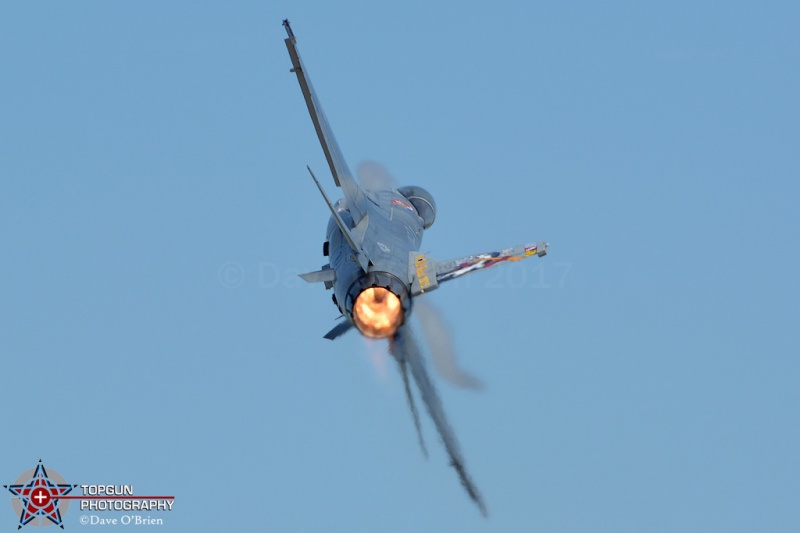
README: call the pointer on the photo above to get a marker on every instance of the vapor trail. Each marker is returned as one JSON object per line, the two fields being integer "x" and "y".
{"x": 407, "y": 347}
{"x": 440, "y": 342}
{"x": 374, "y": 176}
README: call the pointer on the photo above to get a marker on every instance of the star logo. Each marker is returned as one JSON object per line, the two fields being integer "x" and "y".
{"x": 37, "y": 496}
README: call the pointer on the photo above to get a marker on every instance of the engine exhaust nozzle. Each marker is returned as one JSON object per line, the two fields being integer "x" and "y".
{"x": 378, "y": 303}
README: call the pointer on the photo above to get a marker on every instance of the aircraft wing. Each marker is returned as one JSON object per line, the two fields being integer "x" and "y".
{"x": 426, "y": 273}
{"x": 354, "y": 196}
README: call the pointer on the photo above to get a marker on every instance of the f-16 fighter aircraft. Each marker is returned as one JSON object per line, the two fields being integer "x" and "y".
{"x": 375, "y": 267}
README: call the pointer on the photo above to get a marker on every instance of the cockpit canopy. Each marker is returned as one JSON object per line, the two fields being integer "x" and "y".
{"x": 422, "y": 202}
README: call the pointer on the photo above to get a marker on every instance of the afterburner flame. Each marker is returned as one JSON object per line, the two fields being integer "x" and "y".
{"x": 377, "y": 312}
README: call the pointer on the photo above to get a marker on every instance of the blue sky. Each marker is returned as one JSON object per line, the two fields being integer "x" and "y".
{"x": 155, "y": 211}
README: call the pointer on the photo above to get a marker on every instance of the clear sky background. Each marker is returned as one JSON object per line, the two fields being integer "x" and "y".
{"x": 155, "y": 210}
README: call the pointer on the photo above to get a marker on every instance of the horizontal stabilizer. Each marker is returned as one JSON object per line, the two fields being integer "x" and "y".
{"x": 318, "y": 276}
{"x": 338, "y": 330}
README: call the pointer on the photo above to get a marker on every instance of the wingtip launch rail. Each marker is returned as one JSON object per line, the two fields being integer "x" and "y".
{"x": 342, "y": 176}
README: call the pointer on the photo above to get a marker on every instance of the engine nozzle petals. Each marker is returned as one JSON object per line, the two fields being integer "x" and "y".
{"x": 378, "y": 303}
{"x": 377, "y": 312}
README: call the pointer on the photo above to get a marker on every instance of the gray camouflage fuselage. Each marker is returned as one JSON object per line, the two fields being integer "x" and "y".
{"x": 375, "y": 267}
{"x": 393, "y": 231}
{"x": 374, "y": 236}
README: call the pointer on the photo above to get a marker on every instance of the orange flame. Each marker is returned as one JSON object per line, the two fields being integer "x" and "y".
{"x": 377, "y": 312}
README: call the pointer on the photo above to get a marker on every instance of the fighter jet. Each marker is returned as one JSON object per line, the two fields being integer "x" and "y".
{"x": 376, "y": 270}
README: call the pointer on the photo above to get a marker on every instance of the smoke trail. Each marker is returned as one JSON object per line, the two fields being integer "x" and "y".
{"x": 406, "y": 346}
{"x": 401, "y": 361}
{"x": 441, "y": 344}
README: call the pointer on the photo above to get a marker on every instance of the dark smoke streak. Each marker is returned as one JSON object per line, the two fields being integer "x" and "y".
{"x": 405, "y": 346}
{"x": 401, "y": 360}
